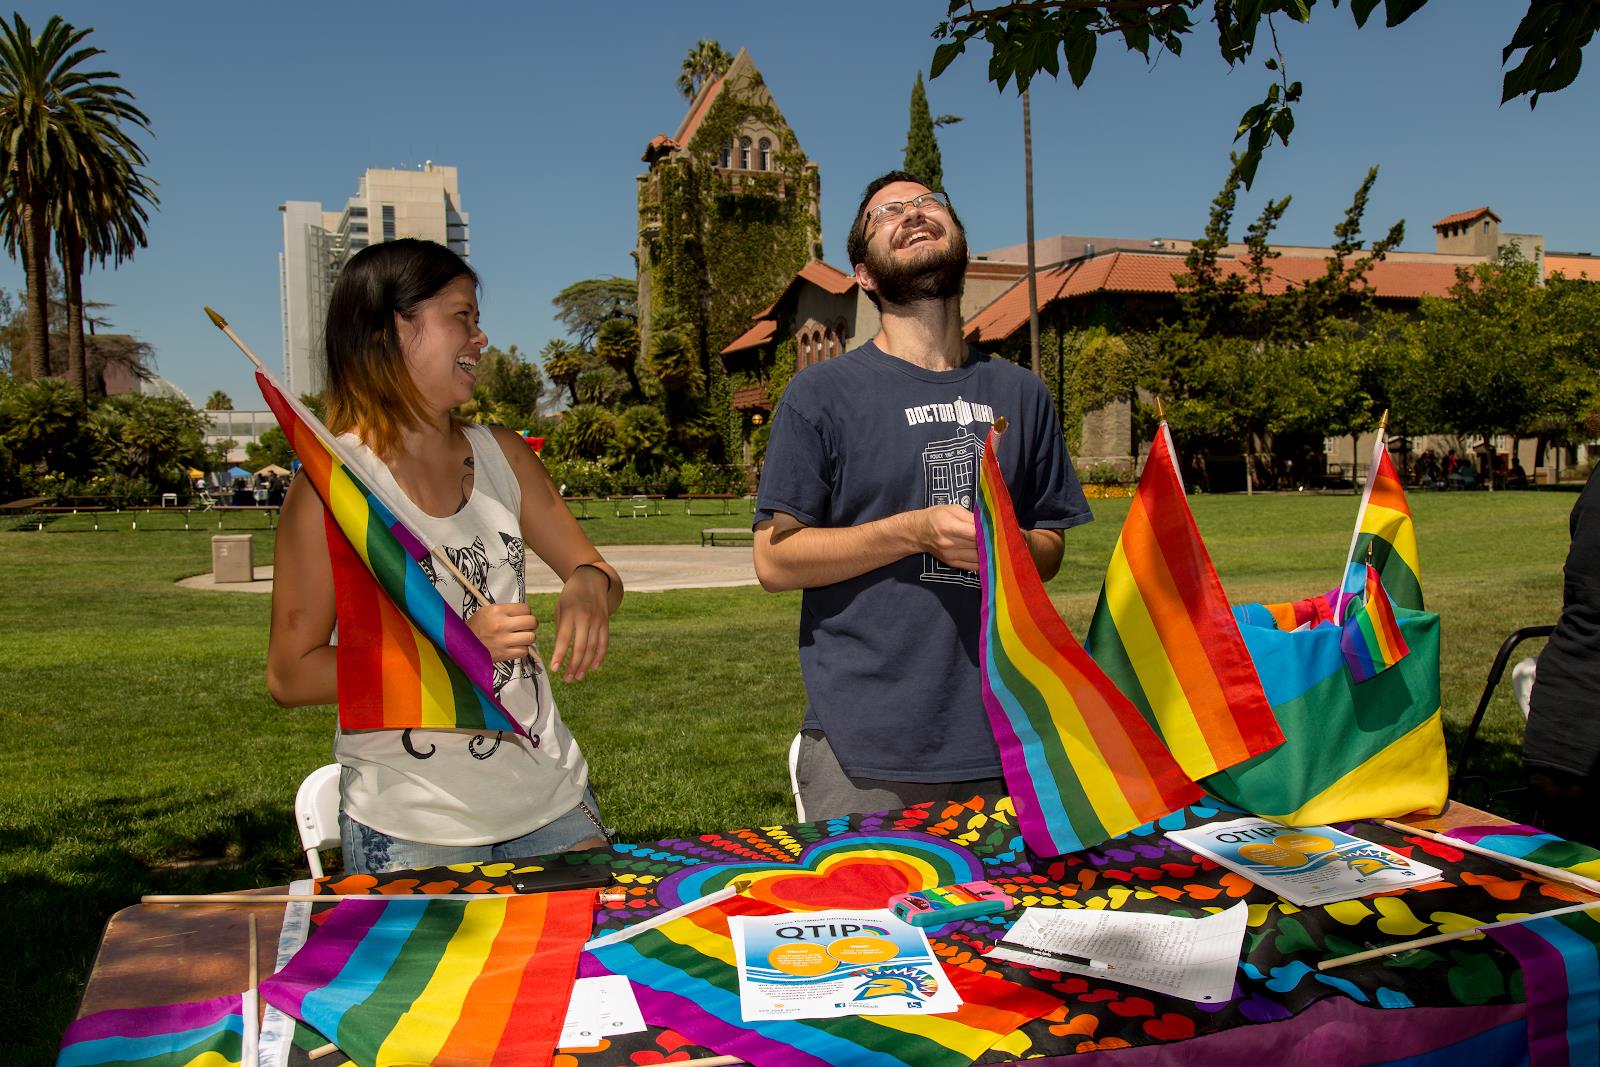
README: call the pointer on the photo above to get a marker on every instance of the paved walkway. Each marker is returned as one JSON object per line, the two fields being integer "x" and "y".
{"x": 644, "y": 568}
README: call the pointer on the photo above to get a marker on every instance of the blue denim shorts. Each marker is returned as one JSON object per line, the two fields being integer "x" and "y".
{"x": 369, "y": 851}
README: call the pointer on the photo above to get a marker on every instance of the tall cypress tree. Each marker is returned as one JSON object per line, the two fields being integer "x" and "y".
{"x": 922, "y": 149}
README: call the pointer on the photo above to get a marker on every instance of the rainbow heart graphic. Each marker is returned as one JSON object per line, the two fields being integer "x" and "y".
{"x": 853, "y": 870}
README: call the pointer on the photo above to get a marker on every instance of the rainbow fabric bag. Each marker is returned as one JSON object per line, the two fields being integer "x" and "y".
{"x": 1352, "y": 750}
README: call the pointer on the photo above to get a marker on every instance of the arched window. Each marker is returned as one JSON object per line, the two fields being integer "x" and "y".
{"x": 744, "y": 153}
{"x": 727, "y": 154}
{"x": 766, "y": 154}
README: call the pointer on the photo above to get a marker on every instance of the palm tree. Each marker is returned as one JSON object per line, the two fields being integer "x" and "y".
{"x": 706, "y": 61}
{"x": 99, "y": 216}
{"x": 60, "y": 126}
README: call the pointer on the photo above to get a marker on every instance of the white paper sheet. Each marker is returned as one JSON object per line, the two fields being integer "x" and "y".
{"x": 600, "y": 1008}
{"x": 1190, "y": 958}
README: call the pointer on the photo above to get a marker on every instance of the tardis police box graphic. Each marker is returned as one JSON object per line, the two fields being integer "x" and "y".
{"x": 950, "y": 475}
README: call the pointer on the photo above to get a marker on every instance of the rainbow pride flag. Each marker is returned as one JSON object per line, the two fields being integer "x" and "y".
{"x": 1533, "y": 845}
{"x": 207, "y": 1033}
{"x": 685, "y": 977}
{"x": 1081, "y": 762}
{"x": 474, "y": 983}
{"x": 1164, "y": 633}
{"x": 405, "y": 658}
{"x": 1371, "y": 639}
{"x": 1383, "y": 525}
{"x": 1560, "y": 958}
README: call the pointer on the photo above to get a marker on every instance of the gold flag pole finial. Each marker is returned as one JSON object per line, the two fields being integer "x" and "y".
{"x": 1161, "y": 411}
{"x": 222, "y": 324}
{"x": 1383, "y": 423}
{"x": 1000, "y": 424}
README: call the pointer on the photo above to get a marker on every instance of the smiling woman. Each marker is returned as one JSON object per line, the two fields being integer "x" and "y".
{"x": 403, "y": 344}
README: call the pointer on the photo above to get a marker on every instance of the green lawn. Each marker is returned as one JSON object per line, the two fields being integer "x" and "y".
{"x": 143, "y": 755}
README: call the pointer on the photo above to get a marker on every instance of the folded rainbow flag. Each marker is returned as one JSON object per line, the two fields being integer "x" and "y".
{"x": 1384, "y": 526}
{"x": 684, "y": 975}
{"x": 1533, "y": 845}
{"x": 1164, "y": 633}
{"x": 1082, "y": 764}
{"x": 405, "y": 658}
{"x": 1371, "y": 640}
{"x": 474, "y": 983}
{"x": 1560, "y": 958}
{"x": 207, "y": 1033}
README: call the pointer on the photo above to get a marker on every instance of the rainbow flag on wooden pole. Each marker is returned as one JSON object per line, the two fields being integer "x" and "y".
{"x": 1082, "y": 764}
{"x": 1384, "y": 525}
{"x": 405, "y": 658}
{"x": 210, "y": 1033}
{"x": 1371, "y": 640}
{"x": 1164, "y": 633}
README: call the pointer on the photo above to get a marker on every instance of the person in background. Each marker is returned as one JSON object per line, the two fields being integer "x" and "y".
{"x": 403, "y": 344}
{"x": 1561, "y": 748}
{"x": 864, "y": 504}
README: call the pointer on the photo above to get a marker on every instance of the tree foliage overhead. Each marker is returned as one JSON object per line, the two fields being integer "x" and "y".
{"x": 1027, "y": 37}
{"x": 583, "y": 307}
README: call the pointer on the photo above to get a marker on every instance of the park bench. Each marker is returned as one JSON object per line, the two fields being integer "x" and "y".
{"x": 725, "y": 499}
{"x": 729, "y": 534}
{"x": 583, "y": 503}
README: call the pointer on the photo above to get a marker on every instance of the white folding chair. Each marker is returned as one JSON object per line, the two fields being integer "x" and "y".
{"x": 794, "y": 778}
{"x": 316, "y": 813}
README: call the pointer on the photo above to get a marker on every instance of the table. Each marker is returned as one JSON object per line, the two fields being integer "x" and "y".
{"x": 163, "y": 954}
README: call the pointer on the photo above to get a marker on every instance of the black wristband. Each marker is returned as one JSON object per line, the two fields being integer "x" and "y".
{"x": 596, "y": 568}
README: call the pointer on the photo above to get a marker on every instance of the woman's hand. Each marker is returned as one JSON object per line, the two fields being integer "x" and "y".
{"x": 506, "y": 630}
{"x": 583, "y": 624}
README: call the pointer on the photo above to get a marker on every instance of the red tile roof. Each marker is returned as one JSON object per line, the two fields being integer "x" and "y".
{"x": 827, "y": 278}
{"x": 659, "y": 145}
{"x": 1466, "y": 216}
{"x": 751, "y": 396}
{"x": 697, "y": 113}
{"x": 759, "y": 334}
{"x": 1135, "y": 272}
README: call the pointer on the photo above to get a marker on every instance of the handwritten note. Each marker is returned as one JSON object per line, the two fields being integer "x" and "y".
{"x": 1190, "y": 958}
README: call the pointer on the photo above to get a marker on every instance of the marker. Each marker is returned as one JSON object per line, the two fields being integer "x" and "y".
{"x": 1051, "y": 954}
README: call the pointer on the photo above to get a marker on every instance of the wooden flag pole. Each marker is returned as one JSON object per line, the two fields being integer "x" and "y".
{"x": 612, "y": 938}
{"x": 1439, "y": 939}
{"x": 222, "y": 324}
{"x": 317, "y": 898}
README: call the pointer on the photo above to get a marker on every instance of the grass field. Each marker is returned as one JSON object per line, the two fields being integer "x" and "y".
{"x": 143, "y": 755}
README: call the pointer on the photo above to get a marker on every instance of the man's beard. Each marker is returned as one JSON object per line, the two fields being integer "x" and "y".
{"x": 936, "y": 276}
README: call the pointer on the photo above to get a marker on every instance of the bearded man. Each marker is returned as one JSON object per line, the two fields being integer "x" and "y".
{"x": 865, "y": 504}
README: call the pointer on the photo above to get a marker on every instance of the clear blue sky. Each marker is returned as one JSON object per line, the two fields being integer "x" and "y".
{"x": 546, "y": 109}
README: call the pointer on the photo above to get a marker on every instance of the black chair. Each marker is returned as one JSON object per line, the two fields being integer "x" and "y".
{"x": 1496, "y": 671}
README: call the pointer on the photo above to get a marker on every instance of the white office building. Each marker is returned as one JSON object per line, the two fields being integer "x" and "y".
{"x": 388, "y": 204}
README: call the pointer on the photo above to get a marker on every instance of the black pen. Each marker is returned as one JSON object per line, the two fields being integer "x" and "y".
{"x": 1051, "y": 954}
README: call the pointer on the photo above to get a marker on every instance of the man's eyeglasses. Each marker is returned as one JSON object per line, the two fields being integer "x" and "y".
{"x": 895, "y": 208}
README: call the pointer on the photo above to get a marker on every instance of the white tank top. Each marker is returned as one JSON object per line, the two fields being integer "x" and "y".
{"x": 452, "y": 787}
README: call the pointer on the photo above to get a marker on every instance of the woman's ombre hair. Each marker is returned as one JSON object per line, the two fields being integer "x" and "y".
{"x": 370, "y": 391}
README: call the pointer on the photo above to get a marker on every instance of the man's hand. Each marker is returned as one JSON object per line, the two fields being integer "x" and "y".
{"x": 949, "y": 535}
{"x": 506, "y": 630}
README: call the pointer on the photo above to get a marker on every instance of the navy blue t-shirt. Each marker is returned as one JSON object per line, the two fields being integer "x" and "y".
{"x": 890, "y": 658}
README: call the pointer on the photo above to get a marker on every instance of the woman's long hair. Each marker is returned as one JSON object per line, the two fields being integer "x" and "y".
{"x": 370, "y": 391}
